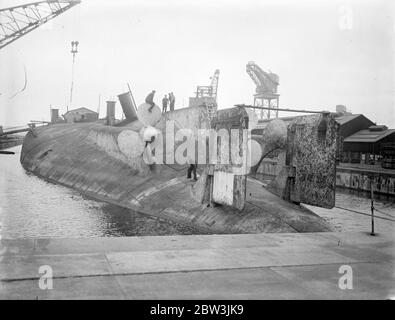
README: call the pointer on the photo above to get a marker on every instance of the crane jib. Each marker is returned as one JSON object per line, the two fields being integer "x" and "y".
{"x": 17, "y": 21}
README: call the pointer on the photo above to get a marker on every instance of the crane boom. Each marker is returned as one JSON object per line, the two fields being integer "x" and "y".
{"x": 17, "y": 21}
{"x": 266, "y": 97}
{"x": 265, "y": 82}
{"x": 214, "y": 84}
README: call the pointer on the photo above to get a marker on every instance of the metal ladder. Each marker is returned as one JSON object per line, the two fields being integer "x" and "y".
{"x": 211, "y": 109}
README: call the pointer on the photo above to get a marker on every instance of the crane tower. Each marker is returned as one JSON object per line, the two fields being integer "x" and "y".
{"x": 207, "y": 95}
{"x": 266, "y": 90}
{"x": 211, "y": 90}
{"x": 17, "y": 21}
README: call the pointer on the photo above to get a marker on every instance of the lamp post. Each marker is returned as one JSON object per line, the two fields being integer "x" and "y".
{"x": 74, "y": 45}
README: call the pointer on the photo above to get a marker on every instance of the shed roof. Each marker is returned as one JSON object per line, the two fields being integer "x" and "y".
{"x": 341, "y": 120}
{"x": 82, "y": 110}
{"x": 346, "y": 118}
{"x": 367, "y": 135}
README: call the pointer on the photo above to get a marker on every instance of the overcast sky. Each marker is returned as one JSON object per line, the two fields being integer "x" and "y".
{"x": 322, "y": 55}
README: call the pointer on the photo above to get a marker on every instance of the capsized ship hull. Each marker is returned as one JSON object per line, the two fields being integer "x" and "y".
{"x": 102, "y": 162}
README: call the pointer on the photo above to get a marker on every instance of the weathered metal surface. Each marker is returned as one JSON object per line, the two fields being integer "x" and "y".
{"x": 311, "y": 151}
{"x": 110, "y": 112}
{"x": 127, "y": 106}
{"x": 223, "y": 187}
{"x": 230, "y": 157}
{"x": 149, "y": 118}
{"x": 239, "y": 191}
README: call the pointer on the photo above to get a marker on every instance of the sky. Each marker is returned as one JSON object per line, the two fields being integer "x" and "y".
{"x": 325, "y": 53}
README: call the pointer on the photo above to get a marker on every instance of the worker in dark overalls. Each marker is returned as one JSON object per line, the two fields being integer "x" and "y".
{"x": 192, "y": 161}
{"x": 165, "y": 102}
{"x": 150, "y": 100}
{"x": 192, "y": 168}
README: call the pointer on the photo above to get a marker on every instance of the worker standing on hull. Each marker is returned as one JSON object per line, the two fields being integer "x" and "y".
{"x": 150, "y": 100}
{"x": 165, "y": 101}
{"x": 172, "y": 100}
{"x": 191, "y": 157}
{"x": 192, "y": 169}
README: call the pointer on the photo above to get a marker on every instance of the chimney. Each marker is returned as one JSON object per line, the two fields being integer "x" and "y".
{"x": 54, "y": 115}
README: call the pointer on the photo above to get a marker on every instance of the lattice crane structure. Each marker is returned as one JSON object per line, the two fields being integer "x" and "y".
{"x": 211, "y": 90}
{"x": 16, "y": 22}
{"x": 266, "y": 90}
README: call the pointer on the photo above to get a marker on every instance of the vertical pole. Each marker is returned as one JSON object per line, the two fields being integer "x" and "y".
{"x": 131, "y": 95}
{"x": 74, "y": 46}
{"x": 278, "y": 106}
{"x": 211, "y": 201}
{"x": 372, "y": 205}
{"x": 98, "y": 106}
{"x": 72, "y": 80}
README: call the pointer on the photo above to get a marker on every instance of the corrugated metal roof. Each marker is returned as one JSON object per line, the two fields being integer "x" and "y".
{"x": 369, "y": 136}
{"x": 340, "y": 119}
{"x": 346, "y": 118}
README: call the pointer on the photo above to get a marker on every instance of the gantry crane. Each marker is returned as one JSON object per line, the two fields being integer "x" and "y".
{"x": 17, "y": 21}
{"x": 266, "y": 89}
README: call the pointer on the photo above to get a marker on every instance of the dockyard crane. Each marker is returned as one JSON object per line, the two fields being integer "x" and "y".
{"x": 211, "y": 90}
{"x": 208, "y": 94}
{"x": 266, "y": 89}
{"x": 17, "y": 21}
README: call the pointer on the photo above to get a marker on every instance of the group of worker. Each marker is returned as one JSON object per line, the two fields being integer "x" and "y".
{"x": 171, "y": 100}
{"x": 166, "y": 101}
